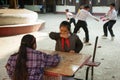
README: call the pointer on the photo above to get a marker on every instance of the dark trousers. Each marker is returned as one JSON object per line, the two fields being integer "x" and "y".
{"x": 83, "y": 25}
{"x": 109, "y": 25}
{"x": 72, "y": 20}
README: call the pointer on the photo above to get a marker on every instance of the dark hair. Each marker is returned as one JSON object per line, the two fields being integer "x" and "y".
{"x": 21, "y": 72}
{"x": 112, "y": 4}
{"x": 86, "y": 6}
{"x": 67, "y": 10}
{"x": 66, "y": 24}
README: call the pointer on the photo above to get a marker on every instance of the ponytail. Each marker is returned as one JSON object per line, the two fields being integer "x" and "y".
{"x": 21, "y": 71}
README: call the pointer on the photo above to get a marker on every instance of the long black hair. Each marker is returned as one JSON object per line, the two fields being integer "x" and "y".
{"x": 21, "y": 72}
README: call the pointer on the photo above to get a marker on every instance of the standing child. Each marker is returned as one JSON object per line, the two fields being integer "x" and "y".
{"x": 70, "y": 17}
{"x": 112, "y": 17}
{"x": 82, "y": 16}
{"x": 65, "y": 40}
{"x": 28, "y": 63}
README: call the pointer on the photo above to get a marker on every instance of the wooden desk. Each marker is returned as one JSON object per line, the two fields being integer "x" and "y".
{"x": 69, "y": 64}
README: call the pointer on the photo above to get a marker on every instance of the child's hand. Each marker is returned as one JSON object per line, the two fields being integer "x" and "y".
{"x": 72, "y": 51}
{"x": 68, "y": 20}
{"x": 64, "y": 35}
{"x": 102, "y": 17}
{"x": 97, "y": 19}
{"x": 7, "y": 66}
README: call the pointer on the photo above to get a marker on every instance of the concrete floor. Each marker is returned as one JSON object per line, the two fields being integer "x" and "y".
{"x": 108, "y": 54}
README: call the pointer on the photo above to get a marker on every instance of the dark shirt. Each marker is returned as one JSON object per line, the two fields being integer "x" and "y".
{"x": 75, "y": 42}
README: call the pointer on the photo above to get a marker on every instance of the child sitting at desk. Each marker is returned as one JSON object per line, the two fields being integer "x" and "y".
{"x": 28, "y": 63}
{"x": 65, "y": 40}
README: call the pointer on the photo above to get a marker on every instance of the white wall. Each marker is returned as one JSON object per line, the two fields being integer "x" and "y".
{"x": 60, "y": 8}
{"x": 33, "y": 7}
{"x": 100, "y": 9}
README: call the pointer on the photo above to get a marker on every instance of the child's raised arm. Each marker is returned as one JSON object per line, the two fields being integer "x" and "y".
{"x": 54, "y": 35}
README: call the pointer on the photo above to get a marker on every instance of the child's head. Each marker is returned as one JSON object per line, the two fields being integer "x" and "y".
{"x": 87, "y": 7}
{"x": 29, "y": 41}
{"x": 81, "y": 7}
{"x": 66, "y": 10}
{"x": 112, "y": 5}
{"x": 65, "y": 27}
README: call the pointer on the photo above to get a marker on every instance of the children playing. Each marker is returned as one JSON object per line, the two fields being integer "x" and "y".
{"x": 82, "y": 15}
{"x": 70, "y": 17}
{"x": 111, "y": 17}
{"x": 65, "y": 40}
{"x": 28, "y": 63}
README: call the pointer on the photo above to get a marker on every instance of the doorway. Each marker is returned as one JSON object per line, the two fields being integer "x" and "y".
{"x": 50, "y": 6}
{"x": 83, "y": 2}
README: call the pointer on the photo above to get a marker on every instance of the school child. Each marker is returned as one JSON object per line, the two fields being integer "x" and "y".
{"x": 70, "y": 17}
{"x": 111, "y": 17}
{"x": 65, "y": 40}
{"x": 82, "y": 15}
{"x": 28, "y": 63}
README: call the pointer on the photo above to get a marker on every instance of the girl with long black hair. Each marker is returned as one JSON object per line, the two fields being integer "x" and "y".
{"x": 28, "y": 63}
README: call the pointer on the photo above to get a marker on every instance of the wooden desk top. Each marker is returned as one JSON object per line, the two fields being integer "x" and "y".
{"x": 69, "y": 64}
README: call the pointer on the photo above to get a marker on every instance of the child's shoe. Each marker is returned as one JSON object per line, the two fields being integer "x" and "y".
{"x": 104, "y": 37}
{"x": 112, "y": 38}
